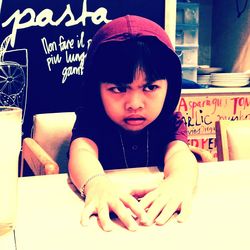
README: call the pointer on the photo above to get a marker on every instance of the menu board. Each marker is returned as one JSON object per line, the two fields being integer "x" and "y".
{"x": 202, "y": 110}
{"x": 43, "y": 44}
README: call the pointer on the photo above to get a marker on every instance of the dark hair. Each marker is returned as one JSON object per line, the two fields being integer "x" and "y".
{"x": 117, "y": 62}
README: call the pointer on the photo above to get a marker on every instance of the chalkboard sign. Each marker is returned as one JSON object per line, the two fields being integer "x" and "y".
{"x": 43, "y": 46}
{"x": 201, "y": 111}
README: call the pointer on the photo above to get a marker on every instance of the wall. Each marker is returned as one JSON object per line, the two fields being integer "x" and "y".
{"x": 202, "y": 109}
{"x": 43, "y": 44}
{"x": 205, "y": 31}
{"x": 230, "y": 36}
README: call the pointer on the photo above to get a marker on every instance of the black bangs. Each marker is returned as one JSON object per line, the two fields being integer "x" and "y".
{"x": 117, "y": 62}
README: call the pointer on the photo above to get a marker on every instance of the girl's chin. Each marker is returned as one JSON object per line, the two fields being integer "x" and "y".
{"x": 133, "y": 128}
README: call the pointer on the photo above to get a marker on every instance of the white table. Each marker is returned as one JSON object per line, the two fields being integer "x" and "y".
{"x": 49, "y": 214}
{"x": 7, "y": 241}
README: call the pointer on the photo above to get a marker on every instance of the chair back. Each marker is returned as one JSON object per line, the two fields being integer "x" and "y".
{"x": 233, "y": 139}
{"x": 52, "y": 131}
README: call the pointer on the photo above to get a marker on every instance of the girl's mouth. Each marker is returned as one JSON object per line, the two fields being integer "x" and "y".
{"x": 134, "y": 121}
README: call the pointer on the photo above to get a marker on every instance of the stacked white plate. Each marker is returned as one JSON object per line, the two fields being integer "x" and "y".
{"x": 203, "y": 80}
{"x": 229, "y": 79}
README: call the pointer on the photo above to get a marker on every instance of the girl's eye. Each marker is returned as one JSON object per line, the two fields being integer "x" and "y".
{"x": 150, "y": 88}
{"x": 119, "y": 89}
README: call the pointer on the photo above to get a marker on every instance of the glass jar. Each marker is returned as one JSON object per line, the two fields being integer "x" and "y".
{"x": 10, "y": 147}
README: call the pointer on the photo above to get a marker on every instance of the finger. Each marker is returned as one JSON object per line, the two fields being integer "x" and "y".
{"x": 139, "y": 193}
{"x": 125, "y": 215}
{"x": 156, "y": 208}
{"x": 130, "y": 202}
{"x": 88, "y": 210}
{"x": 186, "y": 208}
{"x": 166, "y": 213}
{"x": 148, "y": 199}
{"x": 103, "y": 215}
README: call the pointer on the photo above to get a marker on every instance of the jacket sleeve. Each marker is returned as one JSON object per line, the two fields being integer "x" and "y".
{"x": 178, "y": 128}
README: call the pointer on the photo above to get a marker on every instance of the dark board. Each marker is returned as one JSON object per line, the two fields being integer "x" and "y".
{"x": 42, "y": 62}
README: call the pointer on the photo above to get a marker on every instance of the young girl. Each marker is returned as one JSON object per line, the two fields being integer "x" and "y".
{"x": 132, "y": 84}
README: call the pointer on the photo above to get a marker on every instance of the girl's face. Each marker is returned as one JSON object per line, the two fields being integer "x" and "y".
{"x": 134, "y": 106}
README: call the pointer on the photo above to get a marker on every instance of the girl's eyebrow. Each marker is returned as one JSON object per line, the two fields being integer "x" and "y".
{"x": 121, "y": 84}
{"x": 116, "y": 84}
{"x": 148, "y": 83}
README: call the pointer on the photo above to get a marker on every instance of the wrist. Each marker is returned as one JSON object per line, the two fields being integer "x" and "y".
{"x": 185, "y": 178}
{"x": 88, "y": 181}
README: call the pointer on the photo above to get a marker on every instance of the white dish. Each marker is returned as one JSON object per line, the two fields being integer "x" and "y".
{"x": 229, "y": 75}
{"x": 229, "y": 84}
{"x": 231, "y": 80}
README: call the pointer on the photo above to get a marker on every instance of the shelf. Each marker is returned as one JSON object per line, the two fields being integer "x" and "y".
{"x": 215, "y": 90}
{"x": 183, "y": 5}
{"x": 187, "y": 66}
{"x": 186, "y": 46}
{"x": 186, "y": 39}
{"x": 185, "y": 26}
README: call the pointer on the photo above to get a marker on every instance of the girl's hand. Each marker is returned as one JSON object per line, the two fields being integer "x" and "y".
{"x": 172, "y": 195}
{"x": 103, "y": 197}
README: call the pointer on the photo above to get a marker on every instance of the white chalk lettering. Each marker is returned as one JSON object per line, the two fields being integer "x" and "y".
{"x": 65, "y": 44}
{"x": 80, "y": 41}
{"x": 77, "y": 57}
{"x": 69, "y": 71}
{"x": 48, "y": 47}
{"x": 28, "y": 18}
{"x": 52, "y": 60}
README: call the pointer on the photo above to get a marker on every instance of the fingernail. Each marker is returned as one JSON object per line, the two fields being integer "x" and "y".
{"x": 108, "y": 228}
{"x": 145, "y": 220}
{"x": 84, "y": 223}
{"x": 133, "y": 227}
{"x": 159, "y": 223}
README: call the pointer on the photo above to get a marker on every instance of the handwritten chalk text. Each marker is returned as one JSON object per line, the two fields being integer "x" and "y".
{"x": 240, "y": 102}
{"x": 193, "y": 104}
{"x": 29, "y": 18}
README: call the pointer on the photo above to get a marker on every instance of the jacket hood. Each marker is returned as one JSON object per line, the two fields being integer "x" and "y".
{"x": 129, "y": 27}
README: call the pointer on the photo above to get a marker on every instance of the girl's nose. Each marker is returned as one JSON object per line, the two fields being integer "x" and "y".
{"x": 134, "y": 102}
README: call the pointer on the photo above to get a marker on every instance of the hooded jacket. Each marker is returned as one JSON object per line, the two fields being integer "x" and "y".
{"x": 129, "y": 27}
{"x": 151, "y": 143}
